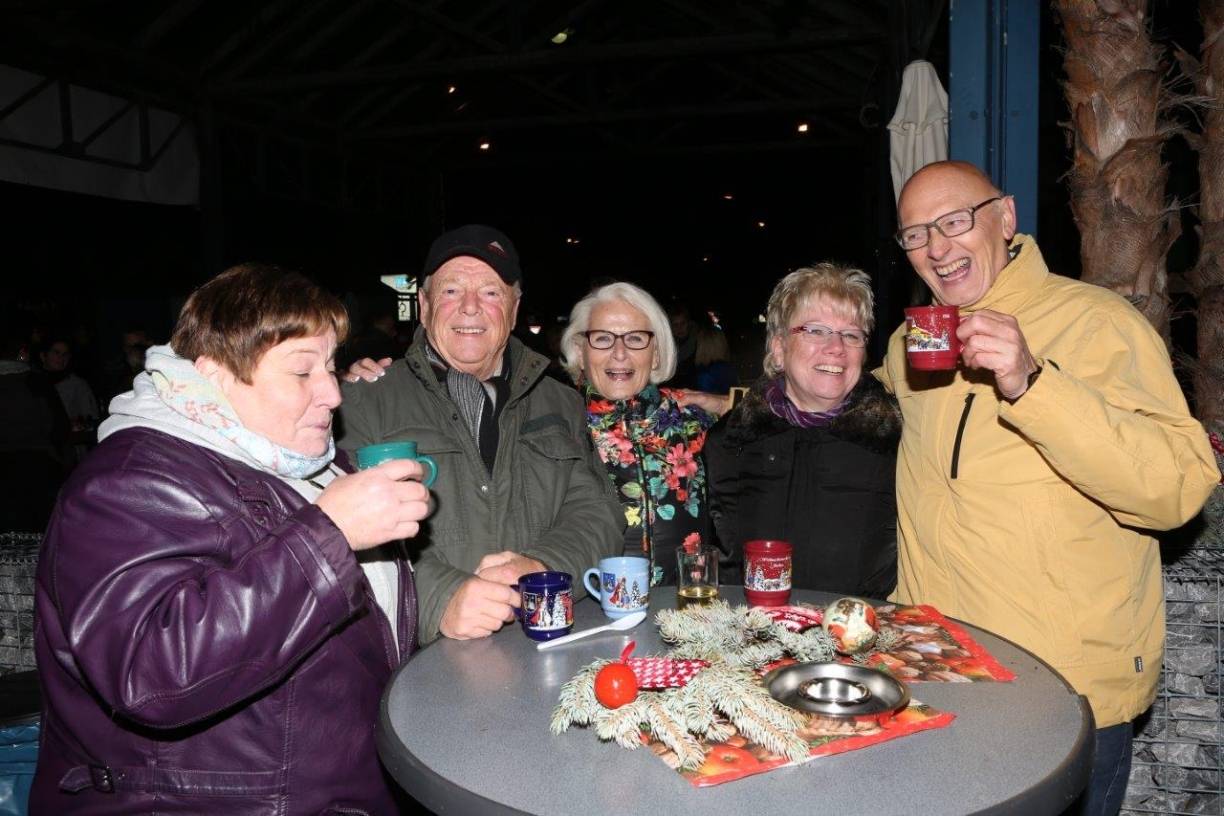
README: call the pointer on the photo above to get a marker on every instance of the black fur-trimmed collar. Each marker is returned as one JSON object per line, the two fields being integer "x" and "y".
{"x": 871, "y": 418}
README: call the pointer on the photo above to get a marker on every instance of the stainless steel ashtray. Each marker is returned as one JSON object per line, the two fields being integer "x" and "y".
{"x": 836, "y": 690}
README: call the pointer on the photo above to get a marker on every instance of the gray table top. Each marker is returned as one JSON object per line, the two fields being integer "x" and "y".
{"x": 464, "y": 729}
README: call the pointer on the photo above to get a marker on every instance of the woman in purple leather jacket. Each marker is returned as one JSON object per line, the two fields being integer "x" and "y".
{"x": 217, "y": 614}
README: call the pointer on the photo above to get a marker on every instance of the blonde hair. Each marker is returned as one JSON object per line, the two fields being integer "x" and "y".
{"x": 712, "y": 346}
{"x": 845, "y": 289}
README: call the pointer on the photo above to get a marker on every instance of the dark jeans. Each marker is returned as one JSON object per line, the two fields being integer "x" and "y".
{"x": 1111, "y": 764}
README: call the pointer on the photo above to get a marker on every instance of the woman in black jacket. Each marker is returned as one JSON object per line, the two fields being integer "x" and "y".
{"x": 809, "y": 456}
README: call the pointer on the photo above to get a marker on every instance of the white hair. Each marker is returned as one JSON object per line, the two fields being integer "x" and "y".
{"x": 635, "y": 296}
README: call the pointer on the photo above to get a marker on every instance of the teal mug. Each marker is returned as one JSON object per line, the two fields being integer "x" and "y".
{"x": 374, "y": 455}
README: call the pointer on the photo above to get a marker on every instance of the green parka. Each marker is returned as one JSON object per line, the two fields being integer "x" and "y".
{"x": 1032, "y": 519}
{"x": 547, "y": 498}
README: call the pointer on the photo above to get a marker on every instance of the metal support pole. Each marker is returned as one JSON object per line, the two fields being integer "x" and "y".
{"x": 993, "y": 72}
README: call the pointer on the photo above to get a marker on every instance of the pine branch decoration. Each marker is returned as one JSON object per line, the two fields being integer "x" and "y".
{"x": 886, "y": 640}
{"x": 673, "y": 733}
{"x": 811, "y": 646}
{"x": 739, "y": 694}
{"x": 623, "y": 725}
{"x": 577, "y": 704}
{"x": 725, "y": 698}
{"x": 738, "y": 636}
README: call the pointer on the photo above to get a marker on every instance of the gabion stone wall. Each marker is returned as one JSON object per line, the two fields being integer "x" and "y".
{"x": 1179, "y": 749}
{"x": 18, "y": 560}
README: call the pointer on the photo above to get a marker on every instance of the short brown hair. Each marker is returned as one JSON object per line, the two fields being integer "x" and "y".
{"x": 248, "y": 309}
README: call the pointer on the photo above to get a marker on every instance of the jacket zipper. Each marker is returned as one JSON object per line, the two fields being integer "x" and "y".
{"x": 960, "y": 433}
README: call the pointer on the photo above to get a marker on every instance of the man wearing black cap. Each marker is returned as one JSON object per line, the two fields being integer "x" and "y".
{"x": 518, "y": 487}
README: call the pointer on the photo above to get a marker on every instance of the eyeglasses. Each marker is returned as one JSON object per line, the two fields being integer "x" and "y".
{"x": 604, "y": 340}
{"x": 822, "y": 335}
{"x": 950, "y": 225}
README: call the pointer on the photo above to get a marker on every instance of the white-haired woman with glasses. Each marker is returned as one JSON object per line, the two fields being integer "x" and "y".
{"x": 618, "y": 347}
{"x": 809, "y": 455}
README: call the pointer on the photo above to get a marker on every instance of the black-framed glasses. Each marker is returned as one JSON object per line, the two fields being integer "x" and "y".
{"x": 821, "y": 334}
{"x": 604, "y": 340}
{"x": 950, "y": 225}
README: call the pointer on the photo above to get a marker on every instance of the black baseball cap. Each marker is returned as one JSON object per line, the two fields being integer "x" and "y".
{"x": 477, "y": 241}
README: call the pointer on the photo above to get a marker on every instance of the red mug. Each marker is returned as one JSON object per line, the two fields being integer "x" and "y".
{"x": 931, "y": 343}
{"x": 767, "y": 572}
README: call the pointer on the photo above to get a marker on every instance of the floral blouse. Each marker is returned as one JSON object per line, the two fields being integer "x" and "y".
{"x": 651, "y": 445}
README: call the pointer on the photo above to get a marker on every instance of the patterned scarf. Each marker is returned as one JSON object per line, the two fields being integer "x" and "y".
{"x": 171, "y": 394}
{"x": 783, "y": 408}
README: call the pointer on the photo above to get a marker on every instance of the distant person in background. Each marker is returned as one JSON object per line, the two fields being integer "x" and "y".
{"x": 78, "y": 398}
{"x": 714, "y": 373}
{"x": 33, "y": 438}
{"x": 121, "y": 368}
{"x": 74, "y": 392}
{"x": 378, "y": 340}
{"x": 553, "y": 332}
{"x": 809, "y": 455}
{"x": 684, "y": 332}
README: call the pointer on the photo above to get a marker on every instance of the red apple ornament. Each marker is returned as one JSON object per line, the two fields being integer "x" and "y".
{"x": 616, "y": 684}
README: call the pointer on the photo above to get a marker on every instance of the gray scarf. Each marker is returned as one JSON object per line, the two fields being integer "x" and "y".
{"x": 468, "y": 393}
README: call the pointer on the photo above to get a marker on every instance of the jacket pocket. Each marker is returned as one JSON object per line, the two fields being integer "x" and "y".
{"x": 448, "y": 519}
{"x": 1059, "y": 603}
{"x": 548, "y": 458}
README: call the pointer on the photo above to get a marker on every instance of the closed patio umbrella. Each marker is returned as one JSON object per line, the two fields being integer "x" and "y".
{"x": 919, "y": 129}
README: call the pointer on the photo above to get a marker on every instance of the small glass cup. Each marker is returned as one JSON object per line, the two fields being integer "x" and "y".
{"x": 697, "y": 577}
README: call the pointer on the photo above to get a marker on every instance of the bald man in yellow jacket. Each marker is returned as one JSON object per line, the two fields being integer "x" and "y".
{"x": 1029, "y": 480}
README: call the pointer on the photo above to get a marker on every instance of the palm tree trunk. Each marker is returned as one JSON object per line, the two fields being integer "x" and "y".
{"x": 1114, "y": 92}
{"x": 1207, "y": 278}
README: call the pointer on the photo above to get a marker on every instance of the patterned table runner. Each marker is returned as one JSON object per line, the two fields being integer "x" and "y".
{"x": 932, "y": 649}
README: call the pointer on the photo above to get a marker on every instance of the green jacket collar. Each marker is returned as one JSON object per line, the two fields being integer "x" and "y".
{"x": 526, "y": 366}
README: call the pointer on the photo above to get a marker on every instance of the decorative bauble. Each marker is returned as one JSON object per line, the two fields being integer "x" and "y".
{"x": 616, "y": 684}
{"x": 852, "y": 625}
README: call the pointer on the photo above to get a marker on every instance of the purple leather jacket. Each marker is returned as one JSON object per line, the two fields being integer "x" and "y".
{"x": 206, "y": 642}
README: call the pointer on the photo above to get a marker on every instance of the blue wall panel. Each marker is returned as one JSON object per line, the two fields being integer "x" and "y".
{"x": 992, "y": 96}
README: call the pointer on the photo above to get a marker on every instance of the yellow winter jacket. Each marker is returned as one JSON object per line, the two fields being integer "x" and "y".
{"x": 1031, "y": 519}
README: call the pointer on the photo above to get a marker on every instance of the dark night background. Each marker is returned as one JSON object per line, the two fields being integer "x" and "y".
{"x": 657, "y": 217}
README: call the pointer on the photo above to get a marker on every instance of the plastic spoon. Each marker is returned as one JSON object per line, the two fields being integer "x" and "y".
{"x": 620, "y": 625}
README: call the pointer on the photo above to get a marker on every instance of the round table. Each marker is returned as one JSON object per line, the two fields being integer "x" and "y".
{"x": 464, "y": 729}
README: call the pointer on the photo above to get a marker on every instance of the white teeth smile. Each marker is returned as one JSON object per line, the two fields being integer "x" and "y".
{"x": 830, "y": 369}
{"x": 948, "y": 269}
{"x": 619, "y": 375}
{"x": 466, "y": 330}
